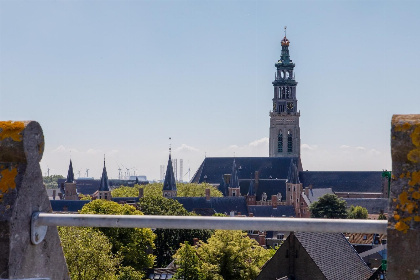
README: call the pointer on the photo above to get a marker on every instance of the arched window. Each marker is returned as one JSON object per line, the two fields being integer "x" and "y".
{"x": 289, "y": 142}
{"x": 280, "y": 142}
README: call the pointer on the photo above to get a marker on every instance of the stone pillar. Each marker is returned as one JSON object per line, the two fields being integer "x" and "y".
{"x": 404, "y": 212}
{"x": 22, "y": 192}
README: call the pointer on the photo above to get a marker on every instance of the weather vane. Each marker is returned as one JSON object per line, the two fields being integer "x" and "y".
{"x": 170, "y": 147}
{"x": 285, "y": 31}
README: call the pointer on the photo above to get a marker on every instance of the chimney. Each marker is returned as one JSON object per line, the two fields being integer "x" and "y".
{"x": 310, "y": 187}
{"x": 141, "y": 192}
{"x": 306, "y": 191}
{"x": 208, "y": 194}
{"x": 274, "y": 201}
{"x": 195, "y": 241}
{"x": 251, "y": 214}
{"x": 54, "y": 193}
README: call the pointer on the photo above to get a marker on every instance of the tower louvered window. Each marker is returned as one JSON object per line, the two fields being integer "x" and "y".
{"x": 280, "y": 143}
{"x": 289, "y": 142}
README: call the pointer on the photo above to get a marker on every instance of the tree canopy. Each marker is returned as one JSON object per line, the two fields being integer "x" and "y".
{"x": 88, "y": 253}
{"x": 188, "y": 263}
{"x": 168, "y": 240}
{"x": 228, "y": 254}
{"x": 183, "y": 190}
{"x": 196, "y": 190}
{"x": 50, "y": 182}
{"x": 357, "y": 212}
{"x": 133, "y": 244}
{"x": 329, "y": 206}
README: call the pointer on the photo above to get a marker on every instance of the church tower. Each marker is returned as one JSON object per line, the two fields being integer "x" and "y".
{"x": 284, "y": 119}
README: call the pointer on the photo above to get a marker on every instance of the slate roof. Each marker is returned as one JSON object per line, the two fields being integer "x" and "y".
{"x": 334, "y": 255}
{"x": 268, "y": 167}
{"x": 83, "y": 186}
{"x": 270, "y": 187}
{"x": 269, "y": 211}
{"x": 373, "y": 205}
{"x": 222, "y": 205}
{"x": 315, "y": 194}
{"x": 70, "y": 205}
{"x": 344, "y": 181}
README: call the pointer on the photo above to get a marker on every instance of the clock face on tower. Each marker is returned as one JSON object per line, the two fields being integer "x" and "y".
{"x": 290, "y": 106}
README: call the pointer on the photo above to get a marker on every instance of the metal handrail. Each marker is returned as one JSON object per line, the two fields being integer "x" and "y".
{"x": 40, "y": 222}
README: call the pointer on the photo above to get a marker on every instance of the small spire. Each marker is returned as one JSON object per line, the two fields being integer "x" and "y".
{"x": 104, "y": 160}
{"x": 170, "y": 147}
{"x": 285, "y": 31}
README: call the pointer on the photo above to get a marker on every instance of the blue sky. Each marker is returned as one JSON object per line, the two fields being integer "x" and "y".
{"x": 120, "y": 77}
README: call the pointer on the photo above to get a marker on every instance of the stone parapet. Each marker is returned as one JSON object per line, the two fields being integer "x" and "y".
{"x": 21, "y": 193}
{"x": 404, "y": 215}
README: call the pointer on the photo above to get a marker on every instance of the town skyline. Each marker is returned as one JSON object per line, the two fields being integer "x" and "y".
{"x": 121, "y": 78}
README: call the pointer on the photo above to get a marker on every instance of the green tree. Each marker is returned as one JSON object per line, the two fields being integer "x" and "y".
{"x": 133, "y": 244}
{"x": 155, "y": 189}
{"x": 357, "y": 212}
{"x": 329, "y": 206}
{"x": 149, "y": 189}
{"x": 50, "y": 182}
{"x": 196, "y": 190}
{"x": 188, "y": 263}
{"x": 88, "y": 253}
{"x": 168, "y": 240}
{"x": 231, "y": 254}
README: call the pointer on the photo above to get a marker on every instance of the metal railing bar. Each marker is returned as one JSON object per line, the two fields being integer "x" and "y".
{"x": 200, "y": 222}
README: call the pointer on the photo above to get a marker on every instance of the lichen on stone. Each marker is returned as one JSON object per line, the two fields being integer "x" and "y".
{"x": 11, "y": 129}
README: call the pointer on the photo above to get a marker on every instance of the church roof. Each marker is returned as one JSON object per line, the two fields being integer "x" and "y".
{"x": 234, "y": 182}
{"x": 344, "y": 181}
{"x": 70, "y": 174}
{"x": 268, "y": 186}
{"x": 315, "y": 194}
{"x": 268, "y": 167}
{"x": 169, "y": 184}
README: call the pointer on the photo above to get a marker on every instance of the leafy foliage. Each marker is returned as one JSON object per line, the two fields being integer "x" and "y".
{"x": 228, "y": 254}
{"x": 357, "y": 212}
{"x": 155, "y": 189}
{"x": 196, "y": 190}
{"x": 329, "y": 206}
{"x": 188, "y": 263}
{"x": 168, "y": 240}
{"x": 149, "y": 189}
{"x": 50, "y": 182}
{"x": 84, "y": 197}
{"x": 88, "y": 253}
{"x": 133, "y": 244}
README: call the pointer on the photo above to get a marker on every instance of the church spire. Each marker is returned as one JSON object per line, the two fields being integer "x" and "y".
{"x": 104, "y": 185}
{"x": 70, "y": 174}
{"x": 169, "y": 185}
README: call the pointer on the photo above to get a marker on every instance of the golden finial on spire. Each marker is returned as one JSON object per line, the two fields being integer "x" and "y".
{"x": 285, "y": 42}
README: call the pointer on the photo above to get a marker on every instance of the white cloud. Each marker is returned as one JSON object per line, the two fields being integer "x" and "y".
{"x": 259, "y": 142}
{"x": 59, "y": 149}
{"x": 360, "y": 148}
{"x": 309, "y": 147}
{"x": 344, "y": 147}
